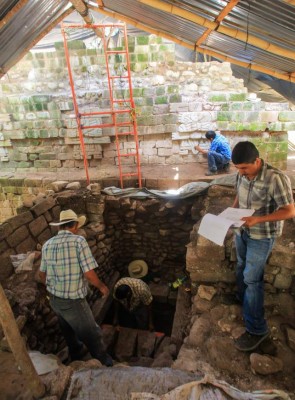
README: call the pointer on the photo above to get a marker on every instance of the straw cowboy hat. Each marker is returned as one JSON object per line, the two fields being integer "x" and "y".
{"x": 69, "y": 216}
{"x": 137, "y": 269}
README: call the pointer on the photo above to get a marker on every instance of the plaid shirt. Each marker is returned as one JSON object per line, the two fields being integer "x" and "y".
{"x": 269, "y": 191}
{"x": 141, "y": 293}
{"x": 65, "y": 258}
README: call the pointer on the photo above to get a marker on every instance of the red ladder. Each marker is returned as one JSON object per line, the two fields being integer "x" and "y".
{"x": 122, "y": 110}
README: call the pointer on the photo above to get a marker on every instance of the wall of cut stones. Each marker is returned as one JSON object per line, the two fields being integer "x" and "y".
{"x": 119, "y": 230}
{"x": 176, "y": 102}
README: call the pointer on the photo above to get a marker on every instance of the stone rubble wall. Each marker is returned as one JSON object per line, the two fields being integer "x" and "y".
{"x": 176, "y": 103}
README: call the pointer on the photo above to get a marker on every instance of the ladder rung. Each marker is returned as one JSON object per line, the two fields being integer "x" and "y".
{"x": 116, "y": 51}
{"x": 130, "y": 174}
{"x": 119, "y": 77}
{"x": 121, "y": 100}
{"x": 124, "y": 123}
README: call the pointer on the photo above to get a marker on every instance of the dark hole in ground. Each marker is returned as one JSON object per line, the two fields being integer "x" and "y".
{"x": 163, "y": 315}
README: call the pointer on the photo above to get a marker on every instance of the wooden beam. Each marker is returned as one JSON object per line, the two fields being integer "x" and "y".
{"x": 227, "y": 9}
{"x": 11, "y": 63}
{"x": 18, "y": 348}
{"x": 83, "y": 10}
{"x": 19, "y": 5}
{"x": 234, "y": 33}
{"x": 291, "y": 2}
{"x": 254, "y": 67}
{"x": 100, "y": 3}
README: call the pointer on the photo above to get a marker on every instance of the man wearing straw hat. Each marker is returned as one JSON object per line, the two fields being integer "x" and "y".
{"x": 67, "y": 264}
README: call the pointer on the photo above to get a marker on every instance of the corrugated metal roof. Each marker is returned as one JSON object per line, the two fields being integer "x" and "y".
{"x": 269, "y": 24}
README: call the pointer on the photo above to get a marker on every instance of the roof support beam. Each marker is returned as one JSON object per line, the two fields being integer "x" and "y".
{"x": 10, "y": 64}
{"x": 20, "y": 4}
{"x": 234, "y": 33}
{"x": 220, "y": 56}
{"x": 83, "y": 10}
{"x": 227, "y": 9}
{"x": 292, "y": 2}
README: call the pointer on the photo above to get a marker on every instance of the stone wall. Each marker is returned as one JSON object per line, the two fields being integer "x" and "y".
{"x": 120, "y": 230}
{"x": 176, "y": 102}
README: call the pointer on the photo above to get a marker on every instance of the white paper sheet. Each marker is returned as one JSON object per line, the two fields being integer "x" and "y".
{"x": 215, "y": 227}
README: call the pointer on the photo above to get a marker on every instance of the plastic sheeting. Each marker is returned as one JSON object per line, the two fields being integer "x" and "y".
{"x": 210, "y": 389}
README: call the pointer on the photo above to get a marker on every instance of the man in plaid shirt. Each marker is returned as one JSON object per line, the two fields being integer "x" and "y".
{"x": 66, "y": 266}
{"x": 135, "y": 297}
{"x": 268, "y": 191}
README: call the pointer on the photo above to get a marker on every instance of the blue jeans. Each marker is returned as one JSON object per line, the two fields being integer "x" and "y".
{"x": 252, "y": 255}
{"x": 216, "y": 161}
{"x": 78, "y": 326}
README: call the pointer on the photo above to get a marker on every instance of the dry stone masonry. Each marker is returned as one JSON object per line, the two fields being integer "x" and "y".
{"x": 176, "y": 103}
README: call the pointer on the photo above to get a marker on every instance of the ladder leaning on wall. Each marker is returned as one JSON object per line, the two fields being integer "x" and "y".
{"x": 122, "y": 107}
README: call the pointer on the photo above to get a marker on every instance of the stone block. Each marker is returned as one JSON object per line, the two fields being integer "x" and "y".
{"x": 6, "y": 267}
{"x": 26, "y": 245}
{"x": 5, "y": 230}
{"x": 126, "y": 344}
{"x": 18, "y": 236}
{"x": 38, "y": 225}
{"x": 282, "y": 256}
{"x": 44, "y": 206}
{"x": 145, "y": 343}
{"x": 19, "y": 220}
{"x": 44, "y": 236}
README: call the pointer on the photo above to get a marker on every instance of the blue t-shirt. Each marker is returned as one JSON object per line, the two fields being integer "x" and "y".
{"x": 221, "y": 146}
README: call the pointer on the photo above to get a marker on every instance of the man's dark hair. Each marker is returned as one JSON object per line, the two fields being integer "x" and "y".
{"x": 244, "y": 153}
{"x": 210, "y": 135}
{"x": 67, "y": 225}
{"x": 123, "y": 292}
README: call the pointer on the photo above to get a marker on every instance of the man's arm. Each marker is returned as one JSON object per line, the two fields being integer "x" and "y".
{"x": 197, "y": 147}
{"x": 95, "y": 281}
{"x": 283, "y": 213}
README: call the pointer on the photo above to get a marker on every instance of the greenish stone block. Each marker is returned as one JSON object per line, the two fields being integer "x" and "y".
{"x": 175, "y": 98}
{"x": 13, "y": 100}
{"x": 257, "y": 126}
{"x": 32, "y": 133}
{"x": 275, "y": 126}
{"x": 149, "y": 101}
{"x": 288, "y": 126}
{"x": 36, "y": 124}
{"x": 222, "y": 125}
{"x": 155, "y": 57}
{"x": 247, "y": 106}
{"x": 173, "y": 89}
{"x": 54, "y": 114}
{"x": 42, "y": 164}
{"x": 223, "y": 116}
{"x": 5, "y": 88}
{"x": 133, "y": 57}
{"x": 47, "y": 156}
{"x": 24, "y": 164}
{"x": 142, "y": 57}
{"x": 224, "y": 107}
{"x": 160, "y": 90}
{"x": 282, "y": 147}
{"x": 44, "y": 133}
{"x": 52, "y": 106}
{"x": 131, "y": 48}
{"x": 137, "y": 92}
{"x": 161, "y": 100}
{"x": 38, "y": 107}
{"x": 141, "y": 40}
{"x": 33, "y": 157}
{"x": 40, "y": 99}
{"x": 17, "y": 117}
{"x": 145, "y": 110}
{"x": 237, "y": 96}
{"x": 139, "y": 101}
{"x": 171, "y": 63}
{"x": 286, "y": 116}
{"x": 236, "y": 106}
{"x": 217, "y": 97}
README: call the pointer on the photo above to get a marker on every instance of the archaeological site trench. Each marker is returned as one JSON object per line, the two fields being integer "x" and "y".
{"x": 194, "y": 324}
